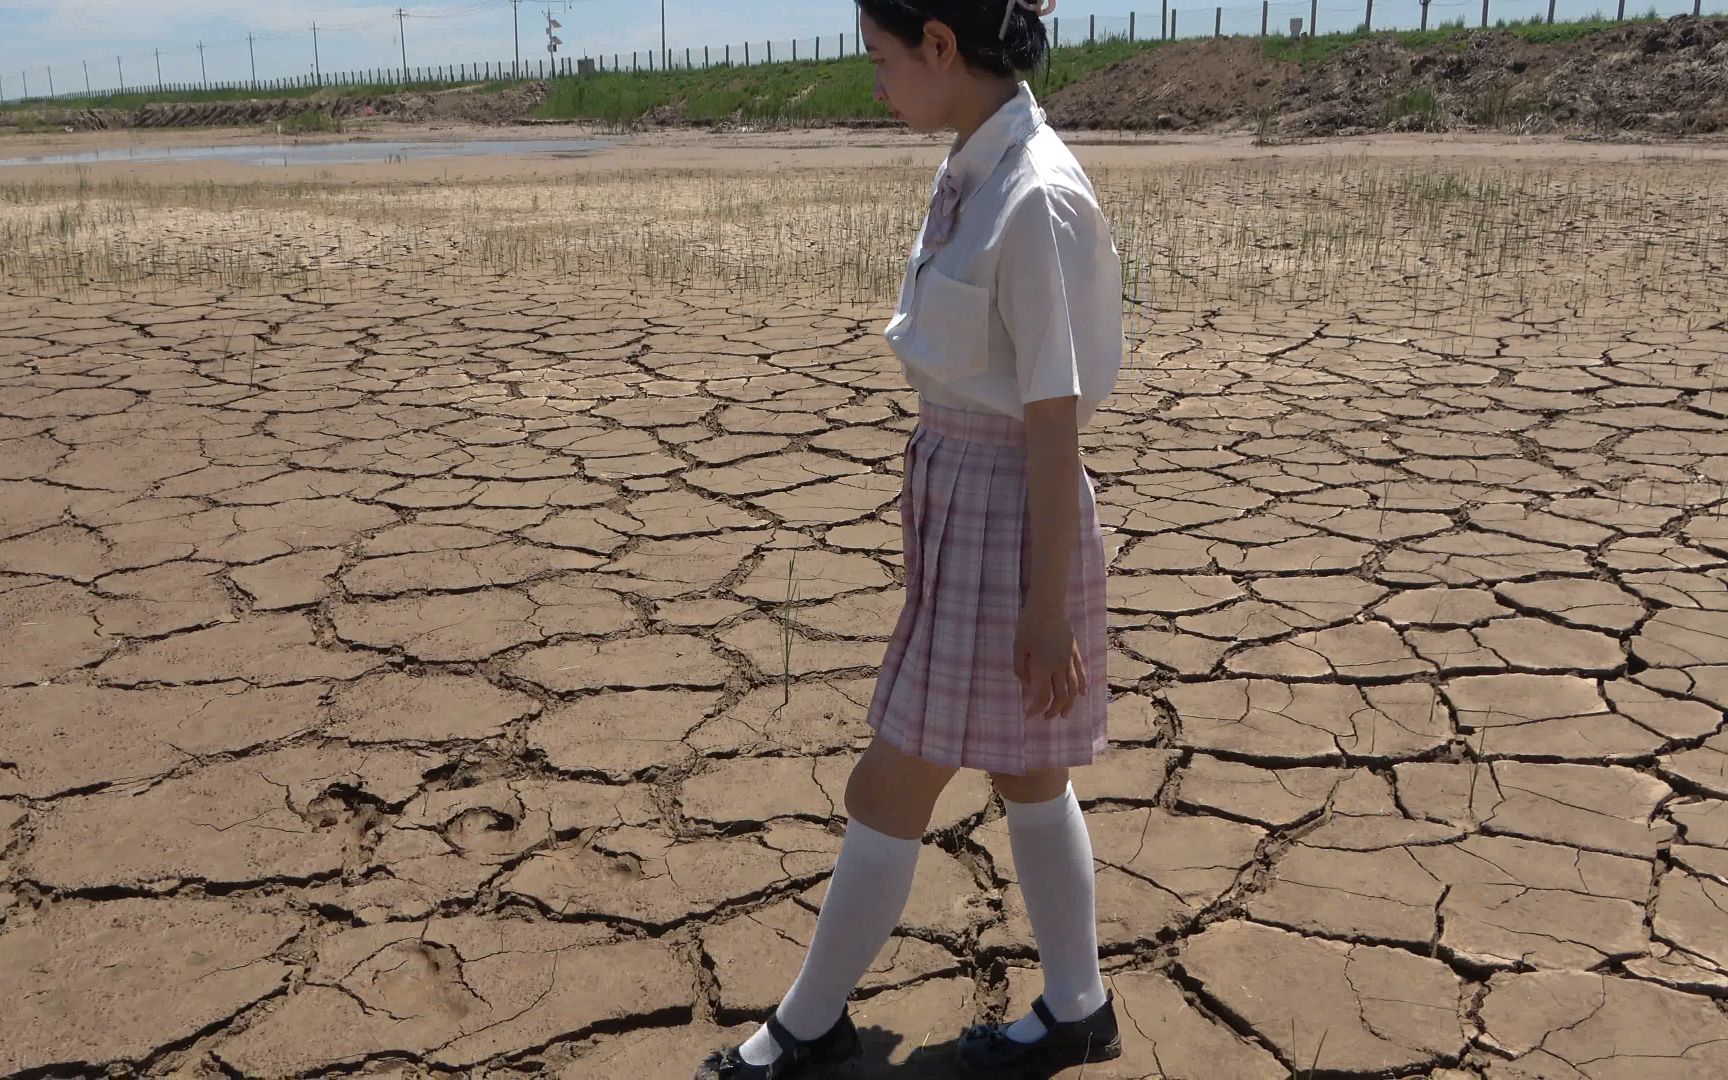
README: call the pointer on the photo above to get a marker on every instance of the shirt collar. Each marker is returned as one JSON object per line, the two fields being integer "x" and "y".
{"x": 1009, "y": 126}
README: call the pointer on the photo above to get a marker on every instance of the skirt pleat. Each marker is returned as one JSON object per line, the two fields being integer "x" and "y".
{"x": 947, "y": 691}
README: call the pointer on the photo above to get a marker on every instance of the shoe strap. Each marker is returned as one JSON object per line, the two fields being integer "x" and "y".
{"x": 1042, "y": 1011}
{"x": 791, "y": 1047}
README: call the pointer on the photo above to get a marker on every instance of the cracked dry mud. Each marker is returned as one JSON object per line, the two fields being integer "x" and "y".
{"x": 412, "y": 693}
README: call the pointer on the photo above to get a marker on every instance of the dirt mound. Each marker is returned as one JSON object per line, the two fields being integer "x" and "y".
{"x": 460, "y": 104}
{"x": 1178, "y": 86}
{"x": 1669, "y": 78}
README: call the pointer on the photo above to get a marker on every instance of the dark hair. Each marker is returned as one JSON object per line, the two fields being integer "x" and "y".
{"x": 976, "y": 24}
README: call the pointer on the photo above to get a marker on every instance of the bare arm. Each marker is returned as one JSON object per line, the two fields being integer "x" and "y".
{"x": 1053, "y": 494}
{"x": 1046, "y": 656}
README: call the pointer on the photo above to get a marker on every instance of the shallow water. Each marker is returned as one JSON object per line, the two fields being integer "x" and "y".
{"x": 287, "y": 153}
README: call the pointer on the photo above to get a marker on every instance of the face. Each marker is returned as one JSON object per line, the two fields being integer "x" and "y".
{"x": 915, "y": 83}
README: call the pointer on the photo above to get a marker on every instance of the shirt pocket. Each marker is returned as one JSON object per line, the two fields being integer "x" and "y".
{"x": 950, "y": 333}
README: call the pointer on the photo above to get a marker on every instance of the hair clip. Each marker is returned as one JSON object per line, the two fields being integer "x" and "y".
{"x": 1040, "y": 8}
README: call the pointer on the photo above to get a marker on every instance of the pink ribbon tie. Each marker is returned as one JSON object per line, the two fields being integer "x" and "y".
{"x": 943, "y": 204}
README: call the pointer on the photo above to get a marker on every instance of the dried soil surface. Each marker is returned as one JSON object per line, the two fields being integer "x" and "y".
{"x": 409, "y": 692}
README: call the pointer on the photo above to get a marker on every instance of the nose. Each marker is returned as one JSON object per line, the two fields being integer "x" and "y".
{"x": 876, "y": 89}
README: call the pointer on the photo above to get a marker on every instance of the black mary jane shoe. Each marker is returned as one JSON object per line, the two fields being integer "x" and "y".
{"x": 839, "y": 1043}
{"x": 985, "y": 1050}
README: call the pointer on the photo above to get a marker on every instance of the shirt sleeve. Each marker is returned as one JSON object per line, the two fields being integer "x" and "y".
{"x": 1044, "y": 280}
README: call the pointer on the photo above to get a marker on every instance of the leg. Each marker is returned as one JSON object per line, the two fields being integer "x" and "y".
{"x": 893, "y": 792}
{"x": 889, "y": 797}
{"x": 1053, "y": 857}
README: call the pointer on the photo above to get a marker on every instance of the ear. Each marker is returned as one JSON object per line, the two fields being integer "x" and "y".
{"x": 940, "y": 46}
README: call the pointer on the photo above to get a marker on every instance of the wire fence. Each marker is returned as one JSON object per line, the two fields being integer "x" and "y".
{"x": 1170, "y": 22}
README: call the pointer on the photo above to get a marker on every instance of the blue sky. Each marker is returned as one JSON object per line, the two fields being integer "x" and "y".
{"x": 38, "y": 34}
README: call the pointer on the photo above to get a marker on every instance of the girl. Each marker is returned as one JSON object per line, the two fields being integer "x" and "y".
{"x": 1009, "y": 326}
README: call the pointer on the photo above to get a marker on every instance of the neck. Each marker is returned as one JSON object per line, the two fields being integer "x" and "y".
{"x": 979, "y": 107}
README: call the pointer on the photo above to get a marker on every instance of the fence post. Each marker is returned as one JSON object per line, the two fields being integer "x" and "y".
{"x": 1314, "y": 16}
{"x": 1172, "y": 23}
{"x": 704, "y": 58}
{"x": 818, "y": 48}
{"x": 1550, "y": 12}
{"x": 1091, "y": 29}
{"x": 771, "y": 52}
{"x": 1056, "y": 32}
{"x": 746, "y": 54}
{"x": 687, "y": 58}
{"x": 1368, "y": 17}
{"x": 1130, "y": 27}
{"x": 794, "y": 50}
{"x": 1164, "y": 21}
{"x": 1485, "y": 12}
{"x": 1218, "y": 21}
{"x": 1697, "y": 8}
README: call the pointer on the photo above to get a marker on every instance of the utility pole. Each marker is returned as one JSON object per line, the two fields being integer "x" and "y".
{"x": 86, "y": 78}
{"x": 203, "y": 77}
{"x": 402, "y": 39}
{"x": 665, "y": 57}
{"x": 250, "y": 55}
{"x": 317, "y": 75}
{"x": 552, "y": 41}
{"x": 516, "y": 33}
{"x": 158, "y": 71}
{"x": 122, "y": 73}
{"x": 50, "y": 80}
{"x": 25, "y": 75}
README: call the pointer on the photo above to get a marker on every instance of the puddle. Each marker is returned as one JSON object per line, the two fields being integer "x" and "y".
{"x": 286, "y": 153}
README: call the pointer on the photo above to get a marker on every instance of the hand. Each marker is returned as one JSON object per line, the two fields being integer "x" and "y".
{"x": 1047, "y": 660}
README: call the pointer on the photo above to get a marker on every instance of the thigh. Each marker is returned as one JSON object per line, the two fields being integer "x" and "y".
{"x": 894, "y": 792}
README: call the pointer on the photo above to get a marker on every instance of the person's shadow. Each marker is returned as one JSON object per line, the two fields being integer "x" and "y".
{"x": 879, "y": 1043}
{"x": 926, "y": 1062}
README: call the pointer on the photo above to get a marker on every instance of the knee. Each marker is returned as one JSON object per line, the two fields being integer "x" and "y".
{"x": 894, "y": 794}
{"x": 1039, "y": 785}
{"x": 864, "y": 788}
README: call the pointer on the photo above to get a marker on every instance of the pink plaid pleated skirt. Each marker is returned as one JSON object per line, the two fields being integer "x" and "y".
{"x": 947, "y": 691}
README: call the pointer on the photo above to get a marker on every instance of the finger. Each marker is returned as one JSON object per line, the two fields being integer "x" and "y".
{"x": 1022, "y": 664}
{"x": 1037, "y": 697}
{"x": 1080, "y": 667}
{"x": 1058, "y": 695}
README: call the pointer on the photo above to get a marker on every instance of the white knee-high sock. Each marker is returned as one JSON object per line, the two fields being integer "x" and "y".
{"x": 872, "y": 879}
{"x": 1053, "y": 857}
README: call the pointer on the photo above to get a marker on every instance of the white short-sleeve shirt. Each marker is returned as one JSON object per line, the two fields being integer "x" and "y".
{"x": 1023, "y": 301}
